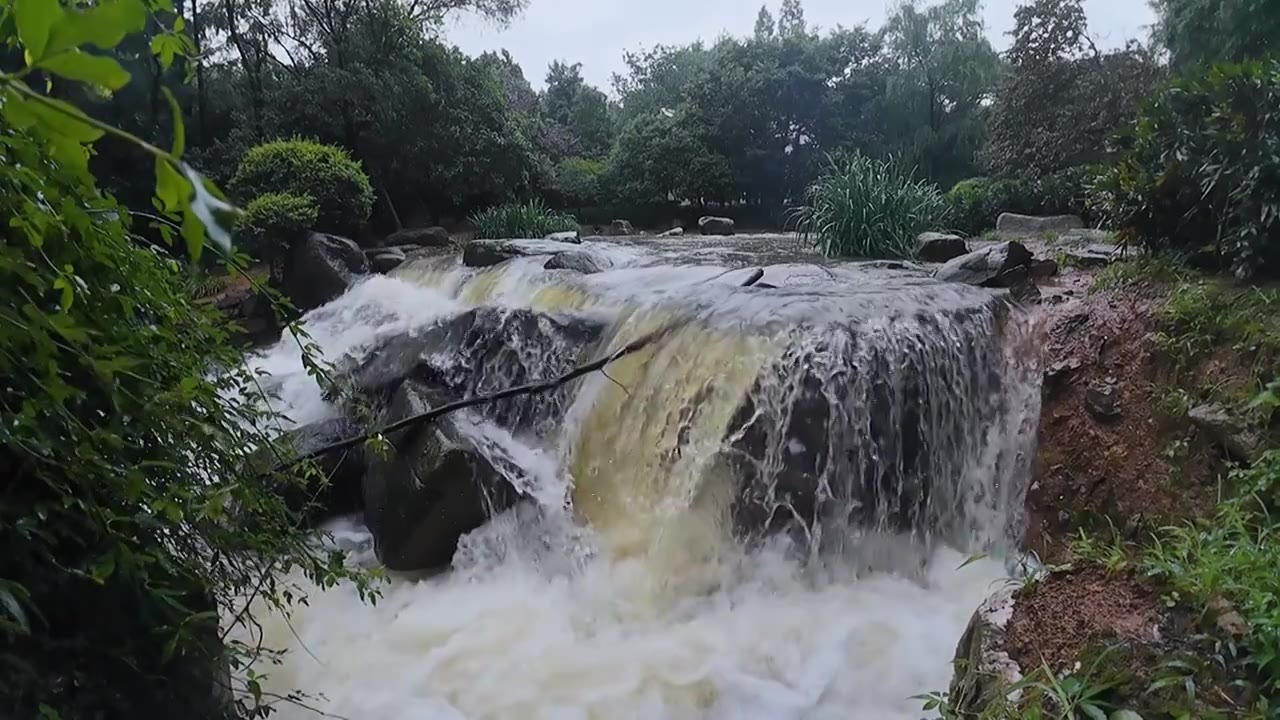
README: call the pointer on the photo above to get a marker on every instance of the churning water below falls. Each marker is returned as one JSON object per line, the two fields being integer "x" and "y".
{"x": 761, "y": 516}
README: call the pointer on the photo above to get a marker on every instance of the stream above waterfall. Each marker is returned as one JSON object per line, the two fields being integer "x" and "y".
{"x": 765, "y": 514}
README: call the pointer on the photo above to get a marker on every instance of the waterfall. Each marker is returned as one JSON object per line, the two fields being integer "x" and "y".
{"x": 761, "y": 515}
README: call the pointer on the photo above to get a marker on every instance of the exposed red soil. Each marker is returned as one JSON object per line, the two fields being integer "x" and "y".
{"x": 1090, "y": 469}
{"x": 1056, "y": 620}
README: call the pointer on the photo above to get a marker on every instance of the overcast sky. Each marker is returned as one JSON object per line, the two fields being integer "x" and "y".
{"x": 596, "y": 32}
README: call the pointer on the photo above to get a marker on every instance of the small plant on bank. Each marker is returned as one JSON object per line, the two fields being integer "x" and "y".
{"x": 531, "y": 219}
{"x": 335, "y": 184}
{"x": 1232, "y": 557}
{"x": 869, "y": 208}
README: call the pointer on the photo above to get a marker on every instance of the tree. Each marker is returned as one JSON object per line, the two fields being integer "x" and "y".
{"x": 1197, "y": 31}
{"x": 791, "y": 22}
{"x": 943, "y": 70}
{"x": 1062, "y": 99}
{"x": 578, "y": 113}
{"x": 765, "y": 25}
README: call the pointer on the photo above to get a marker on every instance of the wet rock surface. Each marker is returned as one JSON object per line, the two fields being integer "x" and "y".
{"x": 996, "y": 265}
{"x": 712, "y": 225}
{"x": 1015, "y": 225}
{"x": 321, "y": 268}
{"x": 436, "y": 237}
{"x": 940, "y": 247}
{"x": 435, "y": 485}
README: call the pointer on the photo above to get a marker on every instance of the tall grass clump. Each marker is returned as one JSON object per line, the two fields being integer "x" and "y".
{"x": 530, "y": 219}
{"x": 864, "y": 207}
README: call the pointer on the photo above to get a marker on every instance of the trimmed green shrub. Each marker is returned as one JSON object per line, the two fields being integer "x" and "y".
{"x": 1200, "y": 171}
{"x": 335, "y": 183}
{"x": 521, "y": 220}
{"x": 274, "y": 221}
{"x": 577, "y": 180}
{"x": 864, "y": 207}
{"x": 976, "y": 203}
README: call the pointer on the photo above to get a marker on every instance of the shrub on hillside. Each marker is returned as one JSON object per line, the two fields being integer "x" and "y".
{"x": 864, "y": 207}
{"x": 335, "y": 183}
{"x": 577, "y": 181}
{"x": 274, "y": 221}
{"x": 1200, "y": 171}
{"x": 974, "y": 204}
{"x": 521, "y": 220}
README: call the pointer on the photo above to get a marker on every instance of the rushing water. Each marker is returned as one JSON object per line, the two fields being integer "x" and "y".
{"x": 642, "y": 584}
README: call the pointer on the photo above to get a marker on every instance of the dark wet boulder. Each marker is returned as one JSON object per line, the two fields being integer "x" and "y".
{"x": 621, "y": 227}
{"x": 317, "y": 499}
{"x": 581, "y": 261}
{"x": 997, "y": 265}
{"x": 1043, "y": 269}
{"x": 712, "y": 225}
{"x": 842, "y": 430}
{"x": 939, "y": 247}
{"x": 420, "y": 237}
{"x": 482, "y": 351}
{"x": 436, "y": 484}
{"x": 384, "y": 260}
{"x": 1226, "y": 431}
{"x": 321, "y": 268}
{"x": 487, "y": 253}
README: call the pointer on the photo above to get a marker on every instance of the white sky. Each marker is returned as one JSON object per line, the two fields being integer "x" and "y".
{"x": 596, "y": 32}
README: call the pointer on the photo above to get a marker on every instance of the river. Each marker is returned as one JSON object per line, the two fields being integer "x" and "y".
{"x": 765, "y": 516}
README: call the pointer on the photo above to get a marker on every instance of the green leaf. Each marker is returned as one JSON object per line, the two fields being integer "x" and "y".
{"x": 97, "y": 69}
{"x": 14, "y": 609}
{"x": 1125, "y": 715}
{"x": 103, "y": 25}
{"x": 104, "y": 568}
{"x": 166, "y": 47}
{"x": 179, "y": 130}
{"x": 1093, "y": 712}
{"x": 193, "y": 233}
{"x": 171, "y": 188}
{"x": 35, "y": 18}
{"x": 55, "y": 115}
{"x": 64, "y": 284}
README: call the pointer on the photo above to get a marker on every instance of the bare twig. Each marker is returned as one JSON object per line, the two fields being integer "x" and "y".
{"x": 527, "y": 389}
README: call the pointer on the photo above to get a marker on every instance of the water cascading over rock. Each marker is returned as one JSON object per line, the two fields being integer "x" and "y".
{"x": 844, "y": 405}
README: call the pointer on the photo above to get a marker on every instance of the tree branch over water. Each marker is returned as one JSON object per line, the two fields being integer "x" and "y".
{"x": 540, "y": 386}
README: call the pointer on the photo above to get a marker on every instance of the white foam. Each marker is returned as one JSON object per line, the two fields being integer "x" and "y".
{"x": 519, "y": 640}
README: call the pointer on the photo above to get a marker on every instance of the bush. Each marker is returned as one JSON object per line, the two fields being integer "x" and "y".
{"x": 1200, "y": 173}
{"x": 976, "y": 203}
{"x": 274, "y": 221}
{"x": 335, "y": 183}
{"x": 128, "y": 520}
{"x": 577, "y": 180}
{"x": 521, "y": 220}
{"x": 863, "y": 207}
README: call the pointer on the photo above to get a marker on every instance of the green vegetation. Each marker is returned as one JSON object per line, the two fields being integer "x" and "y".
{"x": 1232, "y": 557}
{"x": 1147, "y": 269}
{"x": 522, "y": 220}
{"x": 128, "y": 524}
{"x": 274, "y": 221}
{"x": 578, "y": 181}
{"x": 1197, "y": 175}
{"x": 975, "y": 204}
{"x": 863, "y": 207}
{"x": 324, "y": 175}
{"x": 1200, "y": 31}
{"x": 1207, "y": 316}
